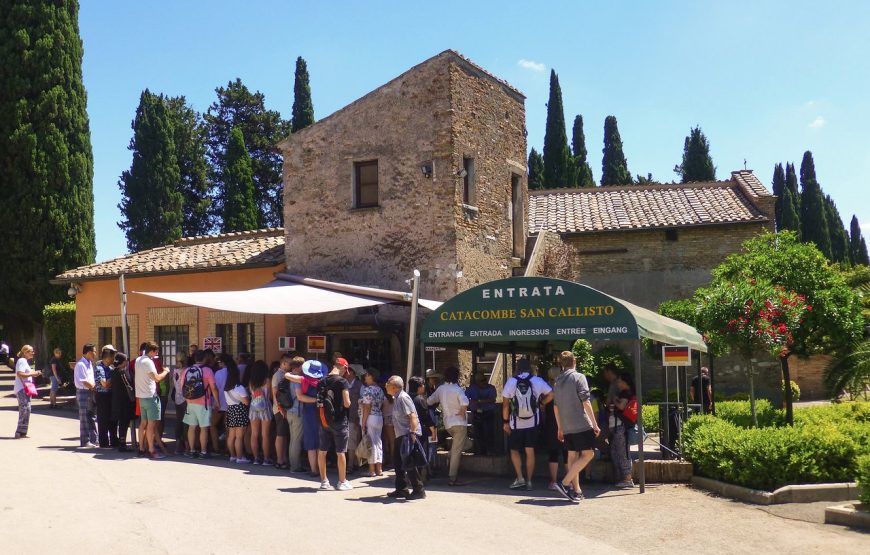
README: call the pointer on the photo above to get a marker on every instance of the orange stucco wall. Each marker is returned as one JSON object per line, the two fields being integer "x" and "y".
{"x": 102, "y": 298}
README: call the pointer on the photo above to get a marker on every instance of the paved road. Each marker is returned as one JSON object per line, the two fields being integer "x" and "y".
{"x": 57, "y": 498}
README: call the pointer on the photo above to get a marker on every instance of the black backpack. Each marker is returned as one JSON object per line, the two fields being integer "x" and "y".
{"x": 326, "y": 404}
{"x": 193, "y": 387}
{"x": 284, "y": 397}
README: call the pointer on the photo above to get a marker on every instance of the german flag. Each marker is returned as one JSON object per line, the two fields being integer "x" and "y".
{"x": 676, "y": 356}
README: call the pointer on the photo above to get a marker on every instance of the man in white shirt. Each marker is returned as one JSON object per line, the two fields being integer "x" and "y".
{"x": 83, "y": 378}
{"x": 149, "y": 402}
{"x": 454, "y": 405}
{"x": 523, "y": 395}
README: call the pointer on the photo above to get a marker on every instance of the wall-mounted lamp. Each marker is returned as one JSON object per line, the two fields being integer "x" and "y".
{"x": 426, "y": 168}
{"x": 74, "y": 289}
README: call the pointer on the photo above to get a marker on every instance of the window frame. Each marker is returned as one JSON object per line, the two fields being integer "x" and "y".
{"x": 358, "y": 184}
{"x": 469, "y": 184}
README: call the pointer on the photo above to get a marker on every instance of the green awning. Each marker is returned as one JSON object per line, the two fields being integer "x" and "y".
{"x": 535, "y": 310}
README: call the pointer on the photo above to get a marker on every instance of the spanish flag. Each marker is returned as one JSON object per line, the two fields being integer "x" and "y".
{"x": 674, "y": 356}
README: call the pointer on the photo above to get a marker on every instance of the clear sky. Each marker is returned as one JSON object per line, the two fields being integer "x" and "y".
{"x": 765, "y": 80}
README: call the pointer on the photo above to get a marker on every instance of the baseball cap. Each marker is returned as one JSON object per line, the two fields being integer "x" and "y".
{"x": 341, "y": 362}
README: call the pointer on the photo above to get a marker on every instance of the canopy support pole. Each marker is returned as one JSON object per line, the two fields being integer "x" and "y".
{"x": 638, "y": 378}
{"x": 126, "y": 338}
{"x": 412, "y": 335}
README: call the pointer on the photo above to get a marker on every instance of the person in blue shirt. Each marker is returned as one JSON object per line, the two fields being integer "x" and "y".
{"x": 482, "y": 396}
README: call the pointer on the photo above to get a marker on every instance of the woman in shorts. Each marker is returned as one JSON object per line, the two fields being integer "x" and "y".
{"x": 260, "y": 411}
{"x": 237, "y": 410}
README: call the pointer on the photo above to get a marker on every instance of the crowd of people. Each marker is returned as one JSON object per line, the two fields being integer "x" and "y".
{"x": 306, "y": 416}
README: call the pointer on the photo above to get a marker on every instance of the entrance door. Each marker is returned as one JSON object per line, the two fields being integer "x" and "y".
{"x": 370, "y": 352}
{"x": 518, "y": 216}
{"x": 172, "y": 340}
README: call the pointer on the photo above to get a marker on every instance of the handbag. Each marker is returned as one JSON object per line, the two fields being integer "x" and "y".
{"x": 131, "y": 394}
{"x": 30, "y": 389}
{"x": 364, "y": 448}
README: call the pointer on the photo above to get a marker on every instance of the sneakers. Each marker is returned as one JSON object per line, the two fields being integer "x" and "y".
{"x": 625, "y": 484}
{"x": 204, "y": 455}
{"x": 399, "y": 494}
{"x": 232, "y": 459}
{"x": 87, "y": 445}
{"x": 573, "y": 496}
{"x": 552, "y": 487}
{"x": 189, "y": 455}
{"x": 156, "y": 456}
{"x": 325, "y": 485}
{"x": 344, "y": 486}
{"x": 528, "y": 485}
{"x": 243, "y": 460}
{"x": 519, "y": 483}
{"x": 563, "y": 491}
{"x": 416, "y": 494}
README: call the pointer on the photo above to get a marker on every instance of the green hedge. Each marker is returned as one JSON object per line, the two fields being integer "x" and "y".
{"x": 651, "y": 418}
{"x": 60, "y": 331}
{"x": 864, "y": 480}
{"x": 769, "y": 458}
{"x": 739, "y": 413}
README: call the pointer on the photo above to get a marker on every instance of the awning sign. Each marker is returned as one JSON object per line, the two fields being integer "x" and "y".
{"x": 676, "y": 356}
{"x": 316, "y": 343}
{"x": 216, "y": 344}
{"x": 286, "y": 344}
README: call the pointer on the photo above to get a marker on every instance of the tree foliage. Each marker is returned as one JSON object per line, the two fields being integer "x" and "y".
{"x": 790, "y": 221}
{"x": 857, "y": 245}
{"x": 836, "y": 232}
{"x": 814, "y": 218}
{"x": 778, "y": 186}
{"x": 536, "y": 170}
{"x": 46, "y": 162}
{"x": 189, "y": 138}
{"x": 151, "y": 202}
{"x": 578, "y": 146}
{"x": 240, "y": 209}
{"x": 237, "y": 106}
{"x": 558, "y": 170}
{"x": 303, "y": 107}
{"x": 614, "y": 166}
{"x": 697, "y": 164}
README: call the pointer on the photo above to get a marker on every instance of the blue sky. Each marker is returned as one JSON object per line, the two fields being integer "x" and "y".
{"x": 765, "y": 80}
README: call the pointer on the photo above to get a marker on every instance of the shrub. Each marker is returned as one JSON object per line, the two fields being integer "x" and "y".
{"x": 651, "y": 418}
{"x": 863, "y": 478}
{"x": 582, "y": 350}
{"x": 768, "y": 458}
{"x": 795, "y": 391}
{"x": 739, "y": 413}
{"x": 60, "y": 331}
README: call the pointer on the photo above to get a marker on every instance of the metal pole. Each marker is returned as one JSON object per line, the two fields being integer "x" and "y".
{"x": 412, "y": 334}
{"x": 638, "y": 379}
{"x": 700, "y": 386}
{"x": 130, "y": 358}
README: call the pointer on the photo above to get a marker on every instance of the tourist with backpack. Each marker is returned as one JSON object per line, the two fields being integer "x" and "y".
{"x": 577, "y": 425}
{"x": 312, "y": 372}
{"x": 146, "y": 378}
{"x": 454, "y": 408}
{"x": 260, "y": 411}
{"x": 200, "y": 391}
{"x": 623, "y": 418}
{"x": 290, "y": 410}
{"x": 237, "y": 420}
{"x": 333, "y": 402}
{"x": 523, "y": 396}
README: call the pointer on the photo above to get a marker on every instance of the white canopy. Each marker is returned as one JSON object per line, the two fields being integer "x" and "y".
{"x": 291, "y": 295}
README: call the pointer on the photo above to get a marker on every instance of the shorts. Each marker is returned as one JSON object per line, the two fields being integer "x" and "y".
{"x": 237, "y": 416}
{"x": 197, "y": 415}
{"x": 335, "y": 436}
{"x": 523, "y": 439}
{"x": 54, "y": 384}
{"x": 149, "y": 409}
{"x": 282, "y": 427}
{"x": 581, "y": 441}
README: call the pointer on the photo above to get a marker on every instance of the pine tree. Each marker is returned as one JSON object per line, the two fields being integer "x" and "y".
{"x": 808, "y": 168}
{"x": 836, "y": 231}
{"x": 789, "y": 219}
{"x": 557, "y": 157}
{"x": 240, "y": 209}
{"x": 536, "y": 170}
{"x": 791, "y": 181}
{"x": 614, "y": 166}
{"x": 857, "y": 246}
{"x": 151, "y": 202}
{"x": 814, "y": 220}
{"x": 189, "y": 138}
{"x": 236, "y": 106}
{"x": 778, "y": 185}
{"x": 46, "y": 162}
{"x": 578, "y": 146}
{"x": 303, "y": 108}
{"x": 697, "y": 164}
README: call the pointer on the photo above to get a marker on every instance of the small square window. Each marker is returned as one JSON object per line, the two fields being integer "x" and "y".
{"x": 365, "y": 184}
{"x": 671, "y": 235}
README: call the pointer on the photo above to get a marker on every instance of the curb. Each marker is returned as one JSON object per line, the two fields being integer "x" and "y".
{"x": 803, "y": 493}
{"x": 848, "y": 515}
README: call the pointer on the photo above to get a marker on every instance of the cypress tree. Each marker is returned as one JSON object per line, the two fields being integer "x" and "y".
{"x": 240, "y": 209}
{"x": 614, "y": 166}
{"x": 536, "y": 170}
{"x": 808, "y": 169}
{"x": 151, "y": 202}
{"x": 237, "y": 106}
{"x": 814, "y": 220}
{"x": 46, "y": 162}
{"x": 837, "y": 232}
{"x": 578, "y": 146}
{"x": 778, "y": 185}
{"x": 303, "y": 108}
{"x": 557, "y": 157}
{"x": 697, "y": 164}
{"x": 189, "y": 138}
{"x": 791, "y": 181}
{"x": 790, "y": 220}
{"x": 857, "y": 246}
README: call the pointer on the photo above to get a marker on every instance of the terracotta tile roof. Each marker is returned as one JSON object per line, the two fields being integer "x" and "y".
{"x": 263, "y": 247}
{"x": 647, "y": 206}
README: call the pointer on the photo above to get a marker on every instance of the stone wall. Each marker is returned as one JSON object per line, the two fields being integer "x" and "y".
{"x": 646, "y": 268}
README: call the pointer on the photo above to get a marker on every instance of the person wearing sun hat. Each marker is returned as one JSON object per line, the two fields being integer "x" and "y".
{"x": 312, "y": 372}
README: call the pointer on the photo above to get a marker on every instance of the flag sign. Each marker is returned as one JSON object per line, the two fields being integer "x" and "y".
{"x": 286, "y": 344}
{"x": 316, "y": 343}
{"x": 676, "y": 356}
{"x": 216, "y": 344}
